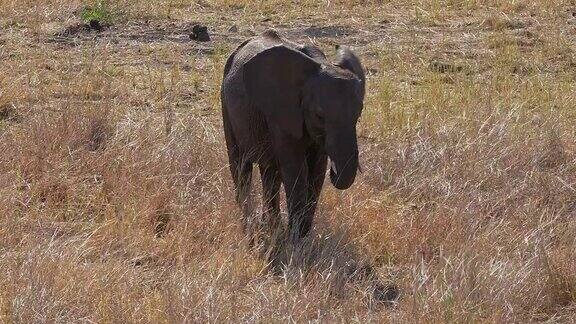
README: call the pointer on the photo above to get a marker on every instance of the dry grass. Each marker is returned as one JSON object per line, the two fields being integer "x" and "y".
{"x": 115, "y": 197}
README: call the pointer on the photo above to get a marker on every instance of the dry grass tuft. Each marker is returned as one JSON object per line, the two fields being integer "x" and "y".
{"x": 115, "y": 197}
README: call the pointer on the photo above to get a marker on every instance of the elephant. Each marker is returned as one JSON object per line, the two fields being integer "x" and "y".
{"x": 286, "y": 108}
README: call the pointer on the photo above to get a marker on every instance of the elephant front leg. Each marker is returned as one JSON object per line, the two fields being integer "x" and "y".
{"x": 269, "y": 230}
{"x": 317, "y": 160}
{"x": 294, "y": 171}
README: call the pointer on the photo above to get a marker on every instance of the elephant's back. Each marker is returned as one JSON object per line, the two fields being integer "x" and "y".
{"x": 250, "y": 48}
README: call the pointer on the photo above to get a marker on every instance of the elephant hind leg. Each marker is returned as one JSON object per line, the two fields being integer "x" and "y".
{"x": 232, "y": 148}
{"x": 242, "y": 176}
{"x": 243, "y": 195}
{"x": 241, "y": 171}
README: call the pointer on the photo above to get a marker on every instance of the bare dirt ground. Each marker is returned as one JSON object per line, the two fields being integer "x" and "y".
{"x": 116, "y": 202}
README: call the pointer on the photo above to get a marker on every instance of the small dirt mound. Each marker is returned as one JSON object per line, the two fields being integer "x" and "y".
{"x": 200, "y": 33}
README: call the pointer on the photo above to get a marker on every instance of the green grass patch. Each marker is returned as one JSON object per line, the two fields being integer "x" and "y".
{"x": 100, "y": 12}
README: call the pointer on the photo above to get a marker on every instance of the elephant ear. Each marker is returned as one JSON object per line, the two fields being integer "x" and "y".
{"x": 313, "y": 52}
{"x": 349, "y": 61}
{"x": 274, "y": 80}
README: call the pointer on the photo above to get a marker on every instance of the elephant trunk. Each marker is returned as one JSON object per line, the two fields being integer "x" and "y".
{"x": 343, "y": 153}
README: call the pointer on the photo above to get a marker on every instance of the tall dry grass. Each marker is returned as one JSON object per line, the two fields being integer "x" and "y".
{"x": 115, "y": 197}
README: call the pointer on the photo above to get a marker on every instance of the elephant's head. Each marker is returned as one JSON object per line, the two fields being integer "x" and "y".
{"x": 333, "y": 101}
{"x": 307, "y": 97}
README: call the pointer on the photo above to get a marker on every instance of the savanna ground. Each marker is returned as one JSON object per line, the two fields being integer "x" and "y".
{"x": 116, "y": 201}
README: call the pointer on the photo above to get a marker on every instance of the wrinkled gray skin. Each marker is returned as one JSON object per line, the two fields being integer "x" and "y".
{"x": 286, "y": 108}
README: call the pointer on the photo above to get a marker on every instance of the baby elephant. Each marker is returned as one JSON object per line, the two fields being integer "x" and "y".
{"x": 288, "y": 109}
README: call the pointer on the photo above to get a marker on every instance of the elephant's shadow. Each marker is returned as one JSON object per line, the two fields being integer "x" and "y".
{"x": 328, "y": 254}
